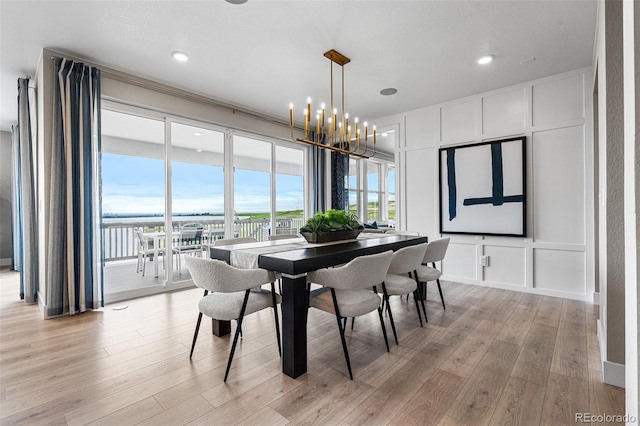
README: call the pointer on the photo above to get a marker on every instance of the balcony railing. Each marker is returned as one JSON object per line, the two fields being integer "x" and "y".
{"x": 119, "y": 241}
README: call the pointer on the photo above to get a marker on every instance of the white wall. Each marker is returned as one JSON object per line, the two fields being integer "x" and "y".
{"x": 557, "y": 256}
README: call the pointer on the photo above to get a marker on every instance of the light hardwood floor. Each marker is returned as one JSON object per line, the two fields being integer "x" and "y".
{"x": 493, "y": 357}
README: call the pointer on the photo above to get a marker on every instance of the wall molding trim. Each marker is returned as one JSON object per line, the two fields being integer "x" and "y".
{"x": 596, "y": 298}
{"x": 612, "y": 372}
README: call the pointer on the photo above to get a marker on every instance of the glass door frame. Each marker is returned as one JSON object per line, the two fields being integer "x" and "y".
{"x": 274, "y": 143}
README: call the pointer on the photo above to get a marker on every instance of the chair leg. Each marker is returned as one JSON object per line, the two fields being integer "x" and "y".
{"x": 385, "y": 296}
{"x": 421, "y": 296}
{"x": 353, "y": 319}
{"x": 235, "y": 338}
{"x": 195, "y": 335}
{"x": 415, "y": 299}
{"x": 344, "y": 342}
{"x": 275, "y": 314}
{"x": 144, "y": 264}
{"x": 441, "y": 296}
{"x": 384, "y": 330}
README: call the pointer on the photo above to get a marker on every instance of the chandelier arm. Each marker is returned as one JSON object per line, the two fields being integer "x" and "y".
{"x": 330, "y": 148}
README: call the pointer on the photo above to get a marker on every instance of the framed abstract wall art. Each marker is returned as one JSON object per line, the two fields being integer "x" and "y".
{"x": 482, "y": 188}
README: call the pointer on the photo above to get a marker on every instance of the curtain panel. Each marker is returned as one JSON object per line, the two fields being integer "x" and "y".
{"x": 24, "y": 198}
{"x": 318, "y": 178}
{"x": 339, "y": 181}
{"x": 74, "y": 272}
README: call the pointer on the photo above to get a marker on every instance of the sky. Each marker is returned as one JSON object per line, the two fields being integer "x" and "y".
{"x": 135, "y": 185}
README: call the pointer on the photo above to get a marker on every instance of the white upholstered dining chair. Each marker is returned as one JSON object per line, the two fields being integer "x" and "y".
{"x": 436, "y": 250}
{"x": 401, "y": 278}
{"x": 228, "y": 295}
{"x": 347, "y": 291}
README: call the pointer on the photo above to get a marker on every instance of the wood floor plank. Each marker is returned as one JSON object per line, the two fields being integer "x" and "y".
{"x": 131, "y": 415}
{"x": 517, "y": 326}
{"x": 570, "y": 355}
{"x": 432, "y": 401}
{"x": 386, "y": 402}
{"x": 467, "y": 355}
{"x": 604, "y": 398}
{"x": 565, "y": 396}
{"x": 244, "y": 405}
{"x": 181, "y": 413}
{"x": 549, "y": 311}
{"x": 478, "y": 398}
{"x": 267, "y": 416}
{"x": 520, "y": 404}
{"x": 534, "y": 362}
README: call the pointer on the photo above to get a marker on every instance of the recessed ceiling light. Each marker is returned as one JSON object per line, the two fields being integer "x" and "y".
{"x": 199, "y": 150}
{"x": 485, "y": 59}
{"x": 180, "y": 56}
{"x": 236, "y": 1}
{"x": 197, "y": 134}
{"x": 389, "y": 91}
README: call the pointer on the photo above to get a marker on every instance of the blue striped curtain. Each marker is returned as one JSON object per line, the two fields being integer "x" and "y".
{"x": 318, "y": 178}
{"x": 24, "y": 201}
{"x": 74, "y": 272}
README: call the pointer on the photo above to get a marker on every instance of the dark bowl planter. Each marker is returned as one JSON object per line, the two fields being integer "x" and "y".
{"x": 328, "y": 237}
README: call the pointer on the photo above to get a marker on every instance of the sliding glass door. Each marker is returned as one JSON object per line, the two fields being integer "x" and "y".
{"x": 133, "y": 203}
{"x": 197, "y": 192}
{"x": 172, "y": 186}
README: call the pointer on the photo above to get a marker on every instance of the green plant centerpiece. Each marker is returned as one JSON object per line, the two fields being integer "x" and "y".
{"x": 333, "y": 225}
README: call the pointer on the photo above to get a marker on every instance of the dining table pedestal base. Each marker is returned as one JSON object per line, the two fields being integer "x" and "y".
{"x": 220, "y": 328}
{"x": 294, "y": 325}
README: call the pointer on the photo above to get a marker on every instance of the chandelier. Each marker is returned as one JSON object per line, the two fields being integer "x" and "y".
{"x": 336, "y": 133}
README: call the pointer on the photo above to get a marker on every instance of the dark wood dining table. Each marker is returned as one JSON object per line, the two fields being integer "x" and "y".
{"x": 294, "y": 264}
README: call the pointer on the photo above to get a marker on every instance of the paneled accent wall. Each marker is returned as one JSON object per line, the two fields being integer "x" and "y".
{"x": 557, "y": 256}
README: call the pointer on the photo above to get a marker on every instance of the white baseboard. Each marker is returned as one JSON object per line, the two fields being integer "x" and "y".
{"x": 596, "y": 298}
{"x": 612, "y": 372}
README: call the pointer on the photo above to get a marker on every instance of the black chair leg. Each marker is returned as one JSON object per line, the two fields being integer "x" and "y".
{"x": 441, "y": 296}
{"x": 353, "y": 319}
{"x": 344, "y": 342}
{"x": 195, "y": 335}
{"x": 415, "y": 299}
{"x": 393, "y": 325}
{"x": 235, "y": 338}
{"x": 275, "y": 314}
{"x": 384, "y": 330}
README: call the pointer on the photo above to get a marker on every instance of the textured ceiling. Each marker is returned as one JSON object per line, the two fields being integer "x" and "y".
{"x": 265, "y": 53}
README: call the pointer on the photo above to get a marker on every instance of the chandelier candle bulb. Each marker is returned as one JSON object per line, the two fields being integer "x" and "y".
{"x": 366, "y": 136}
{"x": 291, "y": 114}
{"x": 306, "y": 121}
